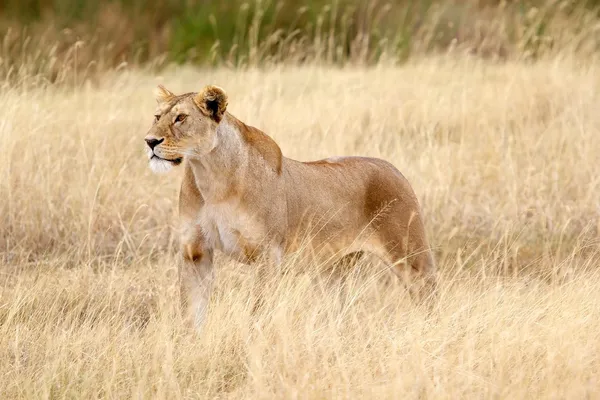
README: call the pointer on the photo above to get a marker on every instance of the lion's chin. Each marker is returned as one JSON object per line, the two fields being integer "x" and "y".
{"x": 162, "y": 166}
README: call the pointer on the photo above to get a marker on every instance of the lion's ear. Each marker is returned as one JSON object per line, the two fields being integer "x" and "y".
{"x": 163, "y": 95}
{"x": 212, "y": 101}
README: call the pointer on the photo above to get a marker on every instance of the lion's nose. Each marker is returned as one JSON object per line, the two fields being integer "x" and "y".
{"x": 153, "y": 142}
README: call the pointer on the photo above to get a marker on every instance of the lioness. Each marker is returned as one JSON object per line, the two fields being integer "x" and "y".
{"x": 240, "y": 195}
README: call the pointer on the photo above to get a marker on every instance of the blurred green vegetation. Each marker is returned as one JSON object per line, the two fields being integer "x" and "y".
{"x": 53, "y": 37}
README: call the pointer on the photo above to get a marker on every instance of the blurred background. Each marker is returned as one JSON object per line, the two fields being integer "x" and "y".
{"x": 51, "y": 38}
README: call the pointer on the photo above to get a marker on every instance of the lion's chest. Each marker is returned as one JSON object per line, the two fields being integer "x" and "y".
{"x": 231, "y": 230}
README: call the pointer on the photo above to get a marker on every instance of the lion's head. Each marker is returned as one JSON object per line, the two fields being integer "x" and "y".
{"x": 184, "y": 126}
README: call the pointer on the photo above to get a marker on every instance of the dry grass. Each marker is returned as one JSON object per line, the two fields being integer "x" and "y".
{"x": 503, "y": 157}
{"x": 62, "y": 41}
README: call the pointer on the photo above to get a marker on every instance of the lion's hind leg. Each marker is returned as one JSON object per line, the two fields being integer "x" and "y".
{"x": 405, "y": 250}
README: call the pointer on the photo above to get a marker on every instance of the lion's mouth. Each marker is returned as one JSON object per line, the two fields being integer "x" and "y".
{"x": 174, "y": 161}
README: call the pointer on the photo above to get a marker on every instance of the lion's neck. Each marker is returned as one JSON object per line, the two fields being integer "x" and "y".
{"x": 218, "y": 172}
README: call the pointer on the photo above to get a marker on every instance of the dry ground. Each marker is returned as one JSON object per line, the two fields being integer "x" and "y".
{"x": 503, "y": 157}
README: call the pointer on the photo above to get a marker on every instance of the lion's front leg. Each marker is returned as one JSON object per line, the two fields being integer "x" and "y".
{"x": 196, "y": 276}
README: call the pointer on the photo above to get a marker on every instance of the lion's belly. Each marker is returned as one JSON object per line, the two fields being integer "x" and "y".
{"x": 232, "y": 232}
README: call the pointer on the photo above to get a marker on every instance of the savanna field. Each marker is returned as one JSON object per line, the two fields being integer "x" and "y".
{"x": 504, "y": 158}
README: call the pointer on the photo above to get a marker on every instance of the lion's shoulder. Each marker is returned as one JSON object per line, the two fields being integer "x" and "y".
{"x": 263, "y": 144}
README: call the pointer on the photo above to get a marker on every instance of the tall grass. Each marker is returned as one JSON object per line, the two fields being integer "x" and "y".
{"x": 49, "y": 38}
{"x": 76, "y": 155}
{"x": 502, "y": 156}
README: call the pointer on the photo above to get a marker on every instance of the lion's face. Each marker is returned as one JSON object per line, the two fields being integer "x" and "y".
{"x": 184, "y": 126}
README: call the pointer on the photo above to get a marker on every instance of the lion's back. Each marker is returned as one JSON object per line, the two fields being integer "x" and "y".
{"x": 344, "y": 193}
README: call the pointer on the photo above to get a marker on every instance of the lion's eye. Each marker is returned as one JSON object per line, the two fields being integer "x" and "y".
{"x": 180, "y": 118}
{"x": 156, "y": 118}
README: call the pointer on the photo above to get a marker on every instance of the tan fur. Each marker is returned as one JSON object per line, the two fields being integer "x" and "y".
{"x": 240, "y": 195}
